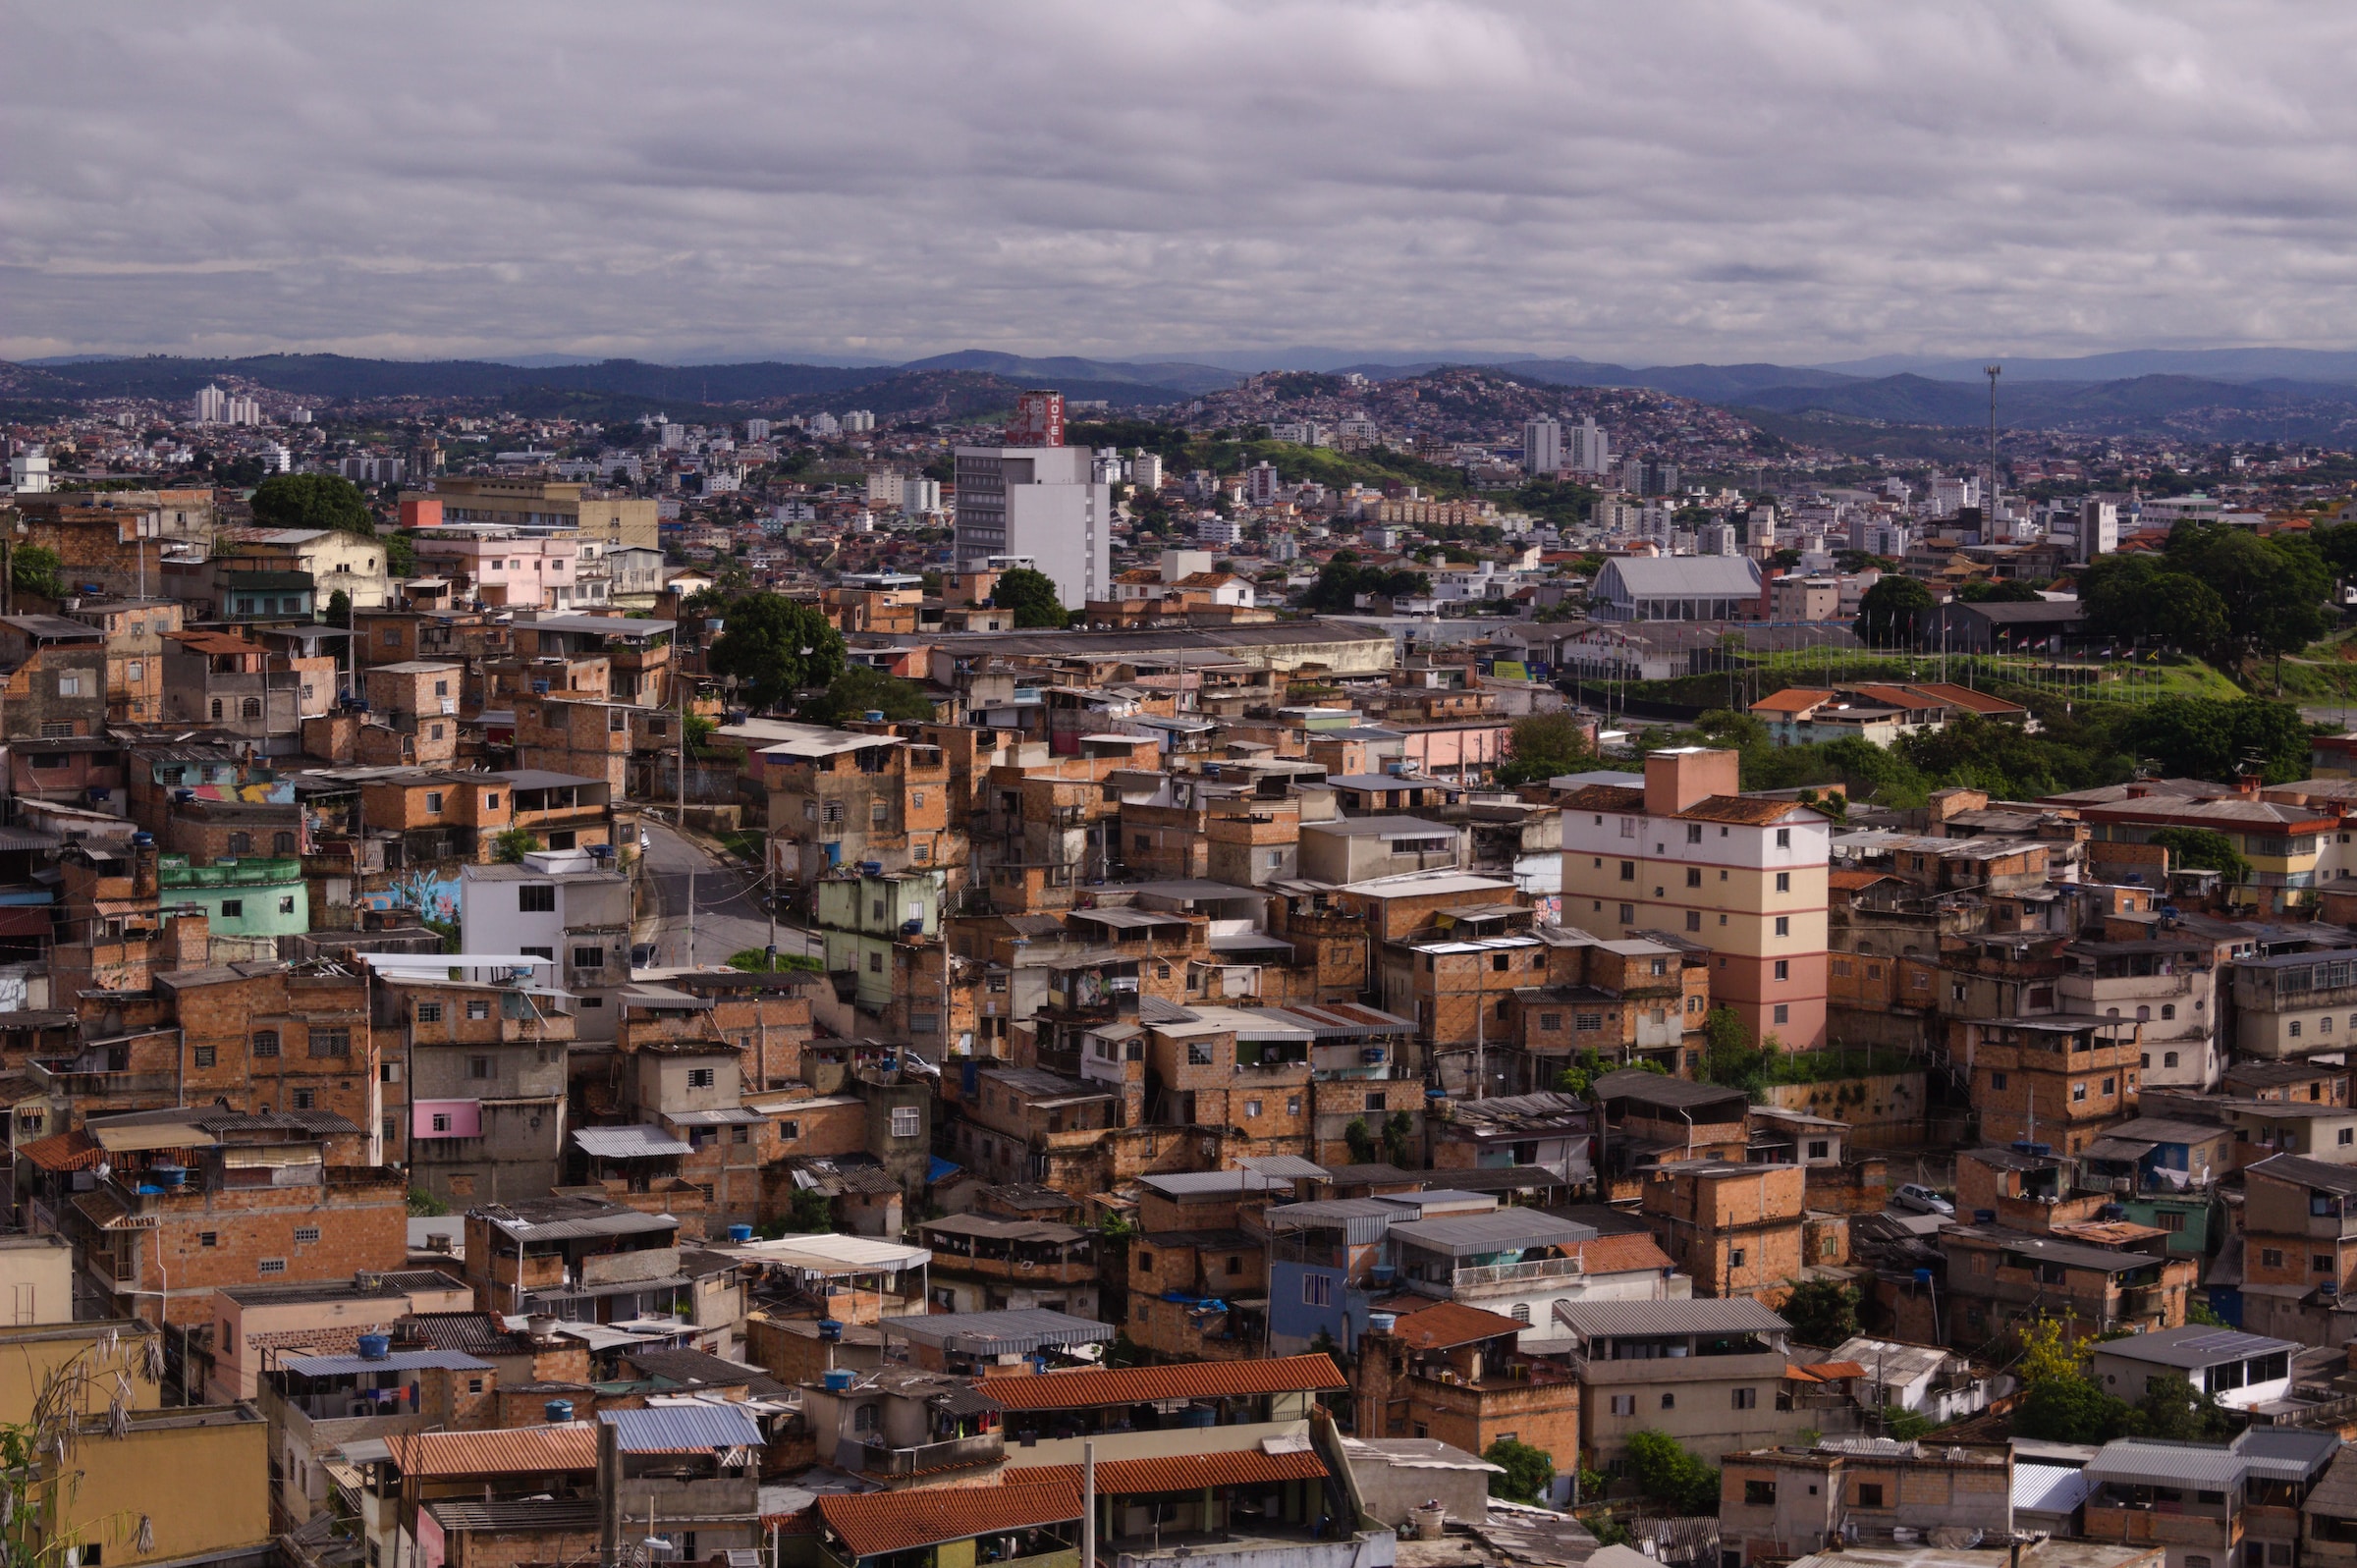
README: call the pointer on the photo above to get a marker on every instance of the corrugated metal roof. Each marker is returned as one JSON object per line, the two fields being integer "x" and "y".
{"x": 2149, "y": 1462}
{"x": 1499, "y": 1230}
{"x": 398, "y": 1361}
{"x": 1608, "y": 1320}
{"x": 538, "y": 1514}
{"x": 1237, "y": 1467}
{"x": 1196, "y": 1379}
{"x": 2194, "y": 1346}
{"x": 1213, "y": 1184}
{"x": 877, "y": 1524}
{"x": 639, "y": 1142}
{"x": 683, "y": 1428}
{"x": 510, "y": 1450}
{"x": 2049, "y": 1489}
{"x": 1017, "y": 1331}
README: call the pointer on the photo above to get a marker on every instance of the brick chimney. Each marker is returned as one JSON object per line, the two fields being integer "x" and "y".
{"x": 1676, "y": 780}
{"x": 188, "y": 940}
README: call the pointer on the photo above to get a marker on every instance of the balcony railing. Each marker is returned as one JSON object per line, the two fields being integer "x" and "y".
{"x": 874, "y": 1459}
{"x": 1498, "y": 1274}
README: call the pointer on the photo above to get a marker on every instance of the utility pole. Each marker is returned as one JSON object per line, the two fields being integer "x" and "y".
{"x": 681, "y": 677}
{"x": 1988, "y": 490}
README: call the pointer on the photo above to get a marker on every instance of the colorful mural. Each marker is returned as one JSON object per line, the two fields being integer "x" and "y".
{"x": 434, "y": 897}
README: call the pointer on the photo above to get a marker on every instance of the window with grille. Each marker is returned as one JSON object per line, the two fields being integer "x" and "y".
{"x": 271, "y": 1266}
{"x": 233, "y": 908}
{"x": 266, "y": 1042}
{"x": 906, "y": 1121}
{"x": 304, "y": 1235}
{"x": 1587, "y": 1022}
{"x": 478, "y": 1066}
{"x": 306, "y": 1099}
{"x": 588, "y": 957}
{"x": 702, "y": 1077}
{"x": 429, "y": 1012}
{"x": 204, "y": 1056}
{"x": 536, "y": 898}
{"x": 331, "y": 1042}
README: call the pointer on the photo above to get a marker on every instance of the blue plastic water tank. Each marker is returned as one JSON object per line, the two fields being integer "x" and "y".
{"x": 739, "y": 1235}
{"x": 374, "y": 1347}
{"x": 838, "y": 1380}
{"x": 830, "y": 1329}
{"x": 558, "y": 1410}
{"x": 1198, "y": 1416}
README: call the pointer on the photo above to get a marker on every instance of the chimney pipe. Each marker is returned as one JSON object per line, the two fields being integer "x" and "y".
{"x": 608, "y": 1497}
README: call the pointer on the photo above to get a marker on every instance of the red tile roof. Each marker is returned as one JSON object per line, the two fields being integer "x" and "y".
{"x": 510, "y": 1450}
{"x": 1970, "y": 700}
{"x": 1238, "y": 1466}
{"x": 1132, "y": 1386}
{"x": 65, "y": 1151}
{"x": 1447, "y": 1324}
{"x": 1798, "y": 699}
{"x": 1612, "y": 1255}
{"x": 877, "y": 1523}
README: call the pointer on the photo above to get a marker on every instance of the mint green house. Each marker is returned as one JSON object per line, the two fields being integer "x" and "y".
{"x": 261, "y": 899}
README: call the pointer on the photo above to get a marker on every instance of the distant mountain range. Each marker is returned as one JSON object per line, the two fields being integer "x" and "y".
{"x": 2224, "y": 394}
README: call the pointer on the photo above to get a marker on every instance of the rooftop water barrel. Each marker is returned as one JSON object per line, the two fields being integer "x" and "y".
{"x": 1382, "y": 1323}
{"x": 558, "y": 1410}
{"x": 739, "y": 1235}
{"x": 838, "y": 1380}
{"x": 168, "y": 1176}
{"x": 376, "y": 1347}
{"x": 830, "y": 1329}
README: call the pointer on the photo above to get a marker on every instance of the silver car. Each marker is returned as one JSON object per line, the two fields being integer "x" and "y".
{"x": 1923, "y": 1200}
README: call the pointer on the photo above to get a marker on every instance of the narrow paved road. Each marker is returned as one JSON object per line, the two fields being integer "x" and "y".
{"x": 729, "y": 917}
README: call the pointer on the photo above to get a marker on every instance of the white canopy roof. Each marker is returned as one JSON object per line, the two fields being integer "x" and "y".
{"x": 830, "y": 1255}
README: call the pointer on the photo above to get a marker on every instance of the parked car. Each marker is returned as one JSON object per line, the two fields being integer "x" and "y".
{"x": 1922, "y": 1200}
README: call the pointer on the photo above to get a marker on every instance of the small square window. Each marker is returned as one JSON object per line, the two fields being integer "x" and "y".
{"x": 702, "y": 1077}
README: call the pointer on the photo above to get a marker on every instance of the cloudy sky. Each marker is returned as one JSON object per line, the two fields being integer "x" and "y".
{"x": 1654, "y": 181}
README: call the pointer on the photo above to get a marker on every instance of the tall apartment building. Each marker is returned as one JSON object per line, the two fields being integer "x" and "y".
{"x": 1586, "y": 450}
{"x": 1542, "y": 445}
{"x": 212, "y": 406}
{"x": 1691, "y": 856}
{"x": 1040, "y": 503}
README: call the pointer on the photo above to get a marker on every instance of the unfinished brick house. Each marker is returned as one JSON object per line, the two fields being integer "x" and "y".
{"x": 55, "y": 686}
{"x": 277, "y": 1037}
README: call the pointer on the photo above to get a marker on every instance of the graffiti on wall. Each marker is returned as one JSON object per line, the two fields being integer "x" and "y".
{"x": 434, "y": 897}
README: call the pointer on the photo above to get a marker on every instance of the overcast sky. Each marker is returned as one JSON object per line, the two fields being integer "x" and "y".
{"x": 1645, "y": 181}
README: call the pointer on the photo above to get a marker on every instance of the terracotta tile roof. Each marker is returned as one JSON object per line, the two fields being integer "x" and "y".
{"x": 1852, "y": 881}
{"x": 1833, "y": 1371}
{"x": 1612, "y": 1255}
{"x": 1742, "y": 809}
{"x": 1197, "y": 1380}
{"x": 1970, "y": 700}
{"x": 512, "y": 1450}
{"x": 1798, "y": 699}
{"x": 1605, "y": 797}
{"x": 1445, "y": 1323}
{"x": 878, "y": 1523}
{"x": 1239, "y": 1467}
{"x": 1908, "y": 697}
{"x": 65, "y": 1151}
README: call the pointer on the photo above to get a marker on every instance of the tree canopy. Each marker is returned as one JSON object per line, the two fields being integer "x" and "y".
{"x": 1529, "y": 1471}
{"x": 1342, "y": 581}
{"x": 2203, "y": 738}
{"x": 1031, "y": 595}
{"x": 2276, "y": 591}
{"x": 860, "y": 690}
{"x": 775, "y": 647}
{"x": 313, "y": 501}
{"x": 2009, "y": 591}
{"x": 2141, "y": 601}
{"x": 1688, "y": 1486}
{"x": 1822, "y": 1311}
{"x": 1891, "y": 610}
{"x": 1543, "y": 747}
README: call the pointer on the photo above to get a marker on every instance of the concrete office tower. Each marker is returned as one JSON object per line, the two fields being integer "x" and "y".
{"x": 1542, "y": 447}
{"x": 1039, "y": 502}
{"x": 1038, "y": 420}
{"x": 212, "y": 406}
{"x": 1587, "y": 451}
{"x": 2099, "y": 528}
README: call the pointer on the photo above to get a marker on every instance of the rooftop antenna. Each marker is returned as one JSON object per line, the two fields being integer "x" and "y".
{"x": 1988, "y": 490}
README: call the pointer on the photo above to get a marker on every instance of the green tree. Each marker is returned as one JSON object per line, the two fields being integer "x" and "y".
{"x": 313, "y": 501}
{"x": 2200, "y": 849}
{"x": 1031, "y": 595}
{"x": 2068, "y": 1409}
{"x": 1399, "y": 1138}
{"x": 513, "y": 844}
{"x": 2276, "y": 591}
{"x": 338, "y": 609}
{"x": 860, "y": 690}
{"x": 1343, "y": 579}
{"x": 401, "y": 555}
{"x": 1891, "y": 610}
{"x": 2173, "y": 1409}
{"x": 1822, "y": 1311}
{"x": 1661, "y": 1468}
{"x": 1543, "y": 747}
{"x": 1529, "y": 1471}
{"x": 2009, "y": 591}
{"x": 36, "y": 569}
{"x": 2139, "y": 600}
{"x": 1361, "y": 1141}
{"x": 2203, "y": 737}
{"x": 775, "y": 647}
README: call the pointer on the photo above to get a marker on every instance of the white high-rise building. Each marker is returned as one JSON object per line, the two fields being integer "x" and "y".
{"x": 919, "y": 496}
{"x": 857, "y": 421}
{"x": 213, "y": 405}
{"x": 1145, "y": 470}
{"x": 1586, "y": 451}
{"x": 756, "y": 430}
{"x": 672, "y": 437}
{"x": 28, "y": 471}
{"x": 1039, "y": 502}
{"x": 1261, "y": 485}
{"x": 1542, "y": 445}
{"x": 825, "y": 424}
{"x": 244, "y": 411}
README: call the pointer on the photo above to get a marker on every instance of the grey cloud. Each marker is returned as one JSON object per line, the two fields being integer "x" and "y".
{"x": 1742, "y": 179}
